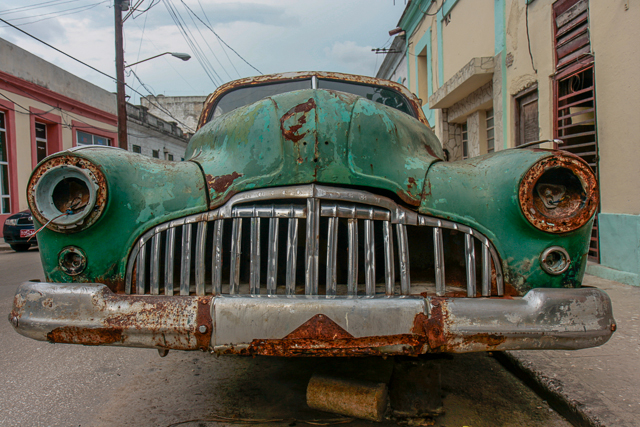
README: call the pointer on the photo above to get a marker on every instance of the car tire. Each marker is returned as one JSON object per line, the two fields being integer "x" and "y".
{"x": 20, "y": 247}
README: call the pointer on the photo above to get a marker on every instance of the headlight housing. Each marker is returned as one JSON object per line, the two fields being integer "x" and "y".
{"x": 559, "y": 194}
{"x": 67, "y": 193}
{"x": 11, "y": 222}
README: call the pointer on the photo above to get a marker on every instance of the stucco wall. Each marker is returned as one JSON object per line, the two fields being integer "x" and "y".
{"x": 615, "y": 40}
{"x": 468, "y": 34}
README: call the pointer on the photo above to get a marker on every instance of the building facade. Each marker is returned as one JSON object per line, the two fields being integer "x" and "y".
{"x": 151, "y": 136}
{"x": 496, "y": 74}
{"x": 185, "y": 109}
{"x": 45, "y": 109}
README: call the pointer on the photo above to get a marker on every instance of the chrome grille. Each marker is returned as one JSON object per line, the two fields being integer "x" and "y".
{"x": 208, "y": 254}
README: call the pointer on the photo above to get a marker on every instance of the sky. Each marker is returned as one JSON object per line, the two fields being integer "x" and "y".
{"x": 272, "y": 36}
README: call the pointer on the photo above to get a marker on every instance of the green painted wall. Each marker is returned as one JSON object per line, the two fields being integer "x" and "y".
{"x": 619, "y": 248}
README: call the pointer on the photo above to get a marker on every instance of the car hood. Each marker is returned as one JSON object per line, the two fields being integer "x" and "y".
{"x": 311, "y": 136}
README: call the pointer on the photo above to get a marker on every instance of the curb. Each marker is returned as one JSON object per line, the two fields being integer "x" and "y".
{"x": 550, "y": 390}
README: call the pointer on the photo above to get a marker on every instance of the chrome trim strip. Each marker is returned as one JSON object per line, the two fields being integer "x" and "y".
{"x": 332, "y": 250}
{"x": 292, "y": 254}
{"x": 312, "y": 247}
{"x": 352, "y": 284}
{"x": 272, "y": 266}
{"x": 390, "y": 272}
{"x": 154, "y": 279}
{"x": 470, "y": 262}
{"x": 486, "y": 271}
{"x": 438, "y": 253}
{"x": 403, "y": 259}
{"x": 254, "y": 269}
{"x": 216, "y": 268}
{"x": 142, "y": 266}
{"x": 369, "y": 258}
{"x": 201, "y": 242}
{"x": 185, "y": 260}
{"x": 168, "y": 263}
{"x": 236, "y": 247}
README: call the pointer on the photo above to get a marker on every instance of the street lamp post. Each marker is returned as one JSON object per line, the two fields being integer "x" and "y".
{"x": 183, "y": 56}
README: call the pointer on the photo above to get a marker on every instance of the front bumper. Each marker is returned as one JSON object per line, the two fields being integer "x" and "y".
{"x": 91, "y": 314}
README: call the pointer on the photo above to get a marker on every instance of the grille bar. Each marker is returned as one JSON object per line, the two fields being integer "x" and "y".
{"x": 325, "y": 212}
{"x": 272, "y": 269}
{"x": 292, "y": 254}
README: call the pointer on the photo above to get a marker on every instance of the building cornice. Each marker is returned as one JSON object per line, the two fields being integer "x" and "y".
{"x": 46, "y": 96}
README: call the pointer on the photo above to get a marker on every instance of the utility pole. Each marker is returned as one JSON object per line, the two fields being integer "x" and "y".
{"x": 119, "y": 7}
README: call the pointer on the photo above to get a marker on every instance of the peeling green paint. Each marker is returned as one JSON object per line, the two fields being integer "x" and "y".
{"x": 315, "y": 136}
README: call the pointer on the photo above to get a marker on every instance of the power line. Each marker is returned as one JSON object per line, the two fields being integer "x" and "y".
{"x": 225, "y": 43}
{"x": 167, "y": 61}
{"x": 35, "y": 6}
{"x": 59, "y": 13}
{"x": 210, "y": 49}
{"x": 218, "y": 39}
{"x": 195, "y": 48}
{"x": 58, "y": 50}
{"x": 93, "y": 68}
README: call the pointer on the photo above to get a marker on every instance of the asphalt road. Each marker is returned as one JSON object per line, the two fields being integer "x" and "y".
{"x": 64, "y": 385}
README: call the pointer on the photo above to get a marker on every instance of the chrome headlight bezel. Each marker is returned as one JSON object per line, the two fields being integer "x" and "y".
{"x": 577, "y": 199}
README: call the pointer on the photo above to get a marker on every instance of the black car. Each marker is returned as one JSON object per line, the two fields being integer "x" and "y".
{"x": 17, "y": 230}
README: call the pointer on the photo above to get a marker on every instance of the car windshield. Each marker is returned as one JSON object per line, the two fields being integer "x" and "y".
{"x": 249, "y": 94}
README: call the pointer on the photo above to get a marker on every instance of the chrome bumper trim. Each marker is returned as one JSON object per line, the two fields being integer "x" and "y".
{"x": 301, "y": 325}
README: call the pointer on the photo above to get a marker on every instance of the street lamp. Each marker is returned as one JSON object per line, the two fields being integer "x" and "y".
{"x": 180, "y": 55}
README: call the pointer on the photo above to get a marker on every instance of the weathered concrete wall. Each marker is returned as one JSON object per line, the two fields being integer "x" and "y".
{"x": 186, "y": 109}
{"x": 25, "y": 65}
{"x": 520, "y": 71}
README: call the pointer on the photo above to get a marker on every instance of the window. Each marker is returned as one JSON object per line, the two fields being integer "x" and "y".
{"x": 491, "y": 139}
{"x": 85, "y": 138}
{"x": 465, "y": 142}
{"x": 136, "y": 149}
{"x": 170, "y": 157}
{"x": 5, "y": 202}
{"x": 156, "y": 154}
{"x": 527, "y": 129}
{"x": 41, "y": 141}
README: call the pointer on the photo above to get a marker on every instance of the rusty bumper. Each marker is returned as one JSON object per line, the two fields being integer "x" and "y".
{"x": 91, "y": 314}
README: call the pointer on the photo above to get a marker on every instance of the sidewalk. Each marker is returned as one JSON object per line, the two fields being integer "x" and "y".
{"x": 597, "y": 386}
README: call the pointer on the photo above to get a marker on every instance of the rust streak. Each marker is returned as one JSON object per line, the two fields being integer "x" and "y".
{"x": 220, "y": 183}
{"x": 290, "y": 133}
{"x": 85, "y": 336}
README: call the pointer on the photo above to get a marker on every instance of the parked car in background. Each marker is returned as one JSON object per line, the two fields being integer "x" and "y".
{"x": 314, "y": 215}
{"x": 18, "y": 231}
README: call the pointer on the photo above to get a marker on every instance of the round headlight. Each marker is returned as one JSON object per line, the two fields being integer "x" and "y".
{"x": 559, "y": 194}
{"x": 67, "y": 193}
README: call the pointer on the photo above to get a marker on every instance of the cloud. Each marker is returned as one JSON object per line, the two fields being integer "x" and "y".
{"x": 357, "y": 59}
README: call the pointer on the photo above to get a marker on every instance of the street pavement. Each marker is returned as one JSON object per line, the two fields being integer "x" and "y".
{"x": 600, "y": 386}
{"x": 64, "y": 385}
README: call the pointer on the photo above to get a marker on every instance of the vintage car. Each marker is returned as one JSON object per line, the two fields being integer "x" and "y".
{"x": 18, "y": 231}
{"x": 314, "y": 215}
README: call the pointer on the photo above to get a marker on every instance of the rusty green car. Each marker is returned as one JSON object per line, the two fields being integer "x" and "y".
{"x": 315, "y": 214}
